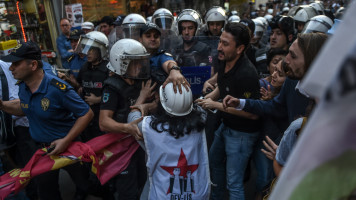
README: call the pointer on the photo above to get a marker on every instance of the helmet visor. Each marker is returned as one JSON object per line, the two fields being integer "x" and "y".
{"x": 164, "y": 23}
{"x": 138, "y": 69}
{"x": 84, "y": 45}
{"x": 131, "y": 31}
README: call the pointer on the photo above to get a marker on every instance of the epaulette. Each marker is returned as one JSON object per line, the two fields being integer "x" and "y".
{"x": 18, "y": 82}
{"x": 62, "y": 86}
{"x": 168, "y": 54}
{"x": 159, "y": 52}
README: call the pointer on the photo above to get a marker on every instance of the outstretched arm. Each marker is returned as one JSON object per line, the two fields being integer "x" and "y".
{"x": 12, "y": 107}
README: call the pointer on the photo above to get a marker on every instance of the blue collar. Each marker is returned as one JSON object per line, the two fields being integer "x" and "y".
{"x": 43, "y": 86}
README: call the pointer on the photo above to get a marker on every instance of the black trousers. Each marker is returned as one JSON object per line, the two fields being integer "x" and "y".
{"x": 130, "y": 182}
{"x": 48, "y": 186}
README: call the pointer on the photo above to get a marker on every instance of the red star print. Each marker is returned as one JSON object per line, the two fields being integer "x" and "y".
{"x": 182, "y": 165}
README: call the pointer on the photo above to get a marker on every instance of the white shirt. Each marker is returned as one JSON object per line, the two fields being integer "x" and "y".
{"x": 13, "y": 92}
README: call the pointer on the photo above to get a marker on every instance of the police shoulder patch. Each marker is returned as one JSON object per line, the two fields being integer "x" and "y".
{"x": 106, "y": 97}
{"x": 62, "y": 86}
{"x": 168, "y": 54}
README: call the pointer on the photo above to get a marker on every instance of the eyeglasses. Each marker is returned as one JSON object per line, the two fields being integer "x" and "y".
{"x": 64, "y": 24}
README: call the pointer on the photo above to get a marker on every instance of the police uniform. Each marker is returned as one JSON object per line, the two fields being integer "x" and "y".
{"x": 75, "y": 63}
{"x": 156, "y": 62}
{"x": 197, "y": 54}
{"x": 52, "y": 111}
{"x": 118, "y": 96}
{"x": 92, "y": 78}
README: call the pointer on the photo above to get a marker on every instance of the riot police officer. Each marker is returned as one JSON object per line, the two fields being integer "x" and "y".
{"x": 192, "y": 52}
{"x": 92, "y": 75}
{"x": 163, "y": 67}
{"x": 129, "y": 65}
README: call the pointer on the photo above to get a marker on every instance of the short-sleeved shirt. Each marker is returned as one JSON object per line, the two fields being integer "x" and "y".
{"x": 241, "y": 82}
{"x": 158, "y": 59}
{"x": 52, "y": 110}
{"x": 119, "y": 101}
{"x": 288, "y": 141}
{"x": 156, "y": 62}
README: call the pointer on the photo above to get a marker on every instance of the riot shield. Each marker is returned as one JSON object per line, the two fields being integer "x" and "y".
{"x": 197, "y": 63}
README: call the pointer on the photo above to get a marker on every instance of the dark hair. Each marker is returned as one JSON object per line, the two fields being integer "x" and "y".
{"x": 310, "y": 45}
{"x": 273, "y": 52}
{"x": 240, "y": 32}
{"x": 177, "y": 126}
{"x": 107, "y": 19}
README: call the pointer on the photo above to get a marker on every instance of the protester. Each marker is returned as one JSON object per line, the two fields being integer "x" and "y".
{"x": 174, "y": 139}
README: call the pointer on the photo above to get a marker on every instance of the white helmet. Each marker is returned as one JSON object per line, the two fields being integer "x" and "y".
{"x": 189, "y": 15}
{"x": 234, "y": 12}
{"x": 305, "y": 13}
{"x": 318, "y": 6}
{"x": 259, "y": 27}
{"x": 130, "y": 59}
{"x": 292, "y": 11}
{"x": 88, "y": 25}
{"x": 93, "y": 39}
{"x": 264, "y": 21}
{"x": 234, "y": 18}
{"x": 268, "y": 17}
{"x": 163, "y": 18}
{"x": 215, "y": 14}
{"x": 149, "y": 19}
{"x": 176, "y": 104}
{"x": 285, "y": 9}
{"x": 132, "y": 25}
{"x": 320, "y": 23}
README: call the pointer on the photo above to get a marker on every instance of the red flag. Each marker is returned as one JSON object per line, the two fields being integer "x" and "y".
{"x": 110, "y": 154}
{"x": 114, "y": 152}
{"x": 16, "y": 179}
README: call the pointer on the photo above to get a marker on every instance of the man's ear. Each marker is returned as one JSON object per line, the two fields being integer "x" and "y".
{"x": 240, "y": 49}
{"x": 290, "y": 38}
{"x": 34, "y": 64}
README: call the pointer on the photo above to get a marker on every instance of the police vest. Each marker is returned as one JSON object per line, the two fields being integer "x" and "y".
{"x": 177, "y": 168}
{"x": 92, "y": 79}
{"x": 128, "y": 94}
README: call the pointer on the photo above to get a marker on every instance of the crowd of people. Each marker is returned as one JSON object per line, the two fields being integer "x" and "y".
{"x": 124, "y": 76}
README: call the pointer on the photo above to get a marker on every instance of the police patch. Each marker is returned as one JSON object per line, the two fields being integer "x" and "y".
{"x": 247, "y": 95}
{"x": 60, "y": 85}
{"x": 106, "y": 97}
{"x": 45, "y": 104}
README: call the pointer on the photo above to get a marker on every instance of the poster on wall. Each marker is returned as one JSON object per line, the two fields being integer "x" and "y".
{"x": 74, "y": 14}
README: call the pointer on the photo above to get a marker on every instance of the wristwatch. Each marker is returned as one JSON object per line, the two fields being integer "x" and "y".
{"x": 174, "y": 67}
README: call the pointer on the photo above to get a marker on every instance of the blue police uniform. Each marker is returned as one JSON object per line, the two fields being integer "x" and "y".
{"x": 158, "y": 59}
{"x": 63, "y": 45}
{"x": 76, "y": 63}
{"x": 48, "y": 68}
{"x": 52, "y": 110}
{"x": 157, "y": 73}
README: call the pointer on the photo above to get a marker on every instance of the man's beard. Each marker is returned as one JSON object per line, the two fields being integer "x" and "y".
{"x": 290, "y": 74}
